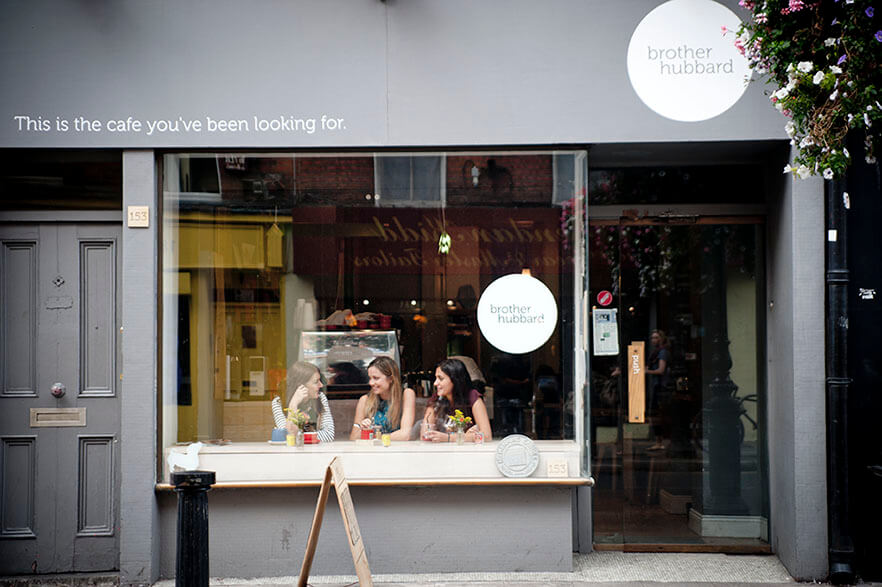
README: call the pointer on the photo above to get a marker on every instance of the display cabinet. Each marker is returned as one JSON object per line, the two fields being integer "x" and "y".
{"x": 343, "y": 356}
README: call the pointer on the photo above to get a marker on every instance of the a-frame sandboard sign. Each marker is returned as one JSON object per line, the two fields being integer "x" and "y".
{"x": 334, "y": 473}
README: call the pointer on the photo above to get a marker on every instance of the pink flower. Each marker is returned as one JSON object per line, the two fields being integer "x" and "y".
{"x": 793, "y": 6}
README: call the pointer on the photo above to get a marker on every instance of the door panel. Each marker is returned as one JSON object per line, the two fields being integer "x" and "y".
{"x": 18, "y": 460}
{"x": 97, "y": 318}
{"x": 60, "y": 328}
{"x": 18, "y": 275}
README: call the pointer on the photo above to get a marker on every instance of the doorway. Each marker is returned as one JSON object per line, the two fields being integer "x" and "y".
{"x": 676, "y": 382}
{"x": 59, "y": 400}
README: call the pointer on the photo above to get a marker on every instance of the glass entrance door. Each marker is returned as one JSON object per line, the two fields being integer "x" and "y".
{"x": 676, "y": 383}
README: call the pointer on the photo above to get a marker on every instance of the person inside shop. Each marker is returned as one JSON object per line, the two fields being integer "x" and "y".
{"x": 304, "y": 388}
{"x": 659, "y": 371}
{"x": 347, "y": 373}
{"x": 386, "y": 405}
{"x": 454, "y": 391}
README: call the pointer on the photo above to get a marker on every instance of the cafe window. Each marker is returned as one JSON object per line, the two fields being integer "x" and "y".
{"x": 345, "y": 266}
{"x": 409, "y": 180}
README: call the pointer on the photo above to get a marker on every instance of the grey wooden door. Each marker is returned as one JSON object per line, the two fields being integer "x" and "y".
{"x": 59, "y": 456}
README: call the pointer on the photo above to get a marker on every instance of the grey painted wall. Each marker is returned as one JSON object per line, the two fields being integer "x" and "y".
{"x": 400, "y": 72}
{"x": 263, "y": 532}
{"x": 139, "y": 515}
{"x": 796, "y": 393}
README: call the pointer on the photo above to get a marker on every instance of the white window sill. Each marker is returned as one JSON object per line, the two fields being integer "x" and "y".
{"x": 255, "y": 464}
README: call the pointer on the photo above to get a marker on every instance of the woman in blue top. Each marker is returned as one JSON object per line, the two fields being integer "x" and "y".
{"x": 386, "y": 405}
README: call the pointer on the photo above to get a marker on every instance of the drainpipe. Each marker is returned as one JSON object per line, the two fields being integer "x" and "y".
{"x": 841, "y": 547}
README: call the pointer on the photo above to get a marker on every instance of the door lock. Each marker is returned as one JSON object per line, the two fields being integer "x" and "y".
{"x": 58, "y": 390}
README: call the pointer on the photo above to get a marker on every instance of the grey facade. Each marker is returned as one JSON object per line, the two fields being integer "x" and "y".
{"x": 400, "y": 74}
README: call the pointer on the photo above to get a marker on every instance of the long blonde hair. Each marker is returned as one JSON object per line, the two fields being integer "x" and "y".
{"x": 389, "y": 368}
{"x": 299, "y": 373}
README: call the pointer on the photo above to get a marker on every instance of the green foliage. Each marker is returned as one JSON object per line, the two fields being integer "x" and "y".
{"x": 824, "y": 58}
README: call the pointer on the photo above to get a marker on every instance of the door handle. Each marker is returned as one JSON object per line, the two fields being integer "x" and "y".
{"x": 58, "y": 390}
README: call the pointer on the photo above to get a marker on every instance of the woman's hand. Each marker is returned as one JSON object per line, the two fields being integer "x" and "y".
{"x": 300, "y": 394}
{"x": 366, "y": 423}
{"x": 436, "y": 436}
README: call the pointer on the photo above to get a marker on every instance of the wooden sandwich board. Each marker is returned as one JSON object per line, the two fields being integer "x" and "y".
{"x": 636, "y": 382}
{"x": 334, "y": 473}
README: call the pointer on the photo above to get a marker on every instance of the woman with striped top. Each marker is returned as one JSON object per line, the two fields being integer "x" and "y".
{"x": 304, "y": 390}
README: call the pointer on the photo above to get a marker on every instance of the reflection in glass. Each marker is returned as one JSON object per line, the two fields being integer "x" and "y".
{"x": 333, "y": 259}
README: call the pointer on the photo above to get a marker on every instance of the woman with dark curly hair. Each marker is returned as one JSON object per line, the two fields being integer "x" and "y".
{"x": 454, "y": 391}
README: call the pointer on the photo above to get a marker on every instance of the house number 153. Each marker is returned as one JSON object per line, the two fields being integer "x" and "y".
{"x": 138, "y": 217}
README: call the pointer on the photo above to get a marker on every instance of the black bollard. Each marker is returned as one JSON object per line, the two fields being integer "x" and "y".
{"x": 191, "y": 567}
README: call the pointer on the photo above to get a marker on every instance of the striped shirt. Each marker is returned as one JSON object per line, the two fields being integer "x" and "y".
{"x": 326, "y": 424}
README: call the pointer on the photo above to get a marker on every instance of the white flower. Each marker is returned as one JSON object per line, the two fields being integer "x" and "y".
{"x": 870, "y": 159}
{"x": 869, "y": 107}
{"x": 849, "y": 1}
{"x": 835, "y": 69}
{"x": 790, "y": 128}
{"x": 789, "y": 169}
{"x": 779, "y": 106}
{"x": 867, "y": 120}
{"x": 834, "y": 95}
{"x": 828, "y": 173}
{"x": 805, "y": 66}
{"x": 829, "y": 42}
{"x": 819, "y": 77}
{"x": 790, "y": 68}
{"x": 781, "y": 93}
{"x": 850, "y": 118}
{"x": 846, "y": 153}
{"x": 806, "y": 142}
{"x": 803, "y": 172}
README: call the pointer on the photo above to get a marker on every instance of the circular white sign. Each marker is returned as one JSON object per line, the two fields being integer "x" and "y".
{"x": 517, "y": 313}
{"x": 680, "y": 63}
{"x": 517, "y": 456}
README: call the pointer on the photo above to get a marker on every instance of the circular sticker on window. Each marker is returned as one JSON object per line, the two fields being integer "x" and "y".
{"x": 683, "y": 63}
{"x": 517, "y": 313}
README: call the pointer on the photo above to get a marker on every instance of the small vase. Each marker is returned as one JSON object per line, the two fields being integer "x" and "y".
{"x": 460, "y": 436}
{"x": 298, "y": 441}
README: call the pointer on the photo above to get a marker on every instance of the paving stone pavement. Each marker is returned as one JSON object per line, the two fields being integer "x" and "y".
{"x": 598, "y": 569}
{"x": 606, "y": 569}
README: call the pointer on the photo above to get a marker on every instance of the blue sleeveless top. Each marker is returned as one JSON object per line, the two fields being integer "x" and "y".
{"x": 381, "y": 417}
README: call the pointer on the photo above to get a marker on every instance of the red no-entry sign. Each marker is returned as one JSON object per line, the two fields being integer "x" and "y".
{"x": 604, "y": 298}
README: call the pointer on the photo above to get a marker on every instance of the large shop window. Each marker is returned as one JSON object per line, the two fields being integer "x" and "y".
{"x": 286, "y": 275}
